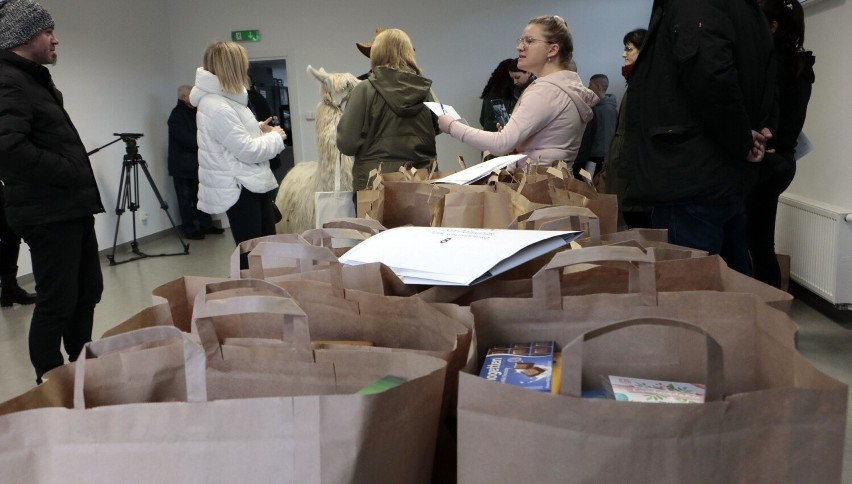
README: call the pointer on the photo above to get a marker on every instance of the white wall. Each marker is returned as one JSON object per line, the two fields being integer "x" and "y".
{"x": 120, "y": 62}
{"x": 114, "y": 70}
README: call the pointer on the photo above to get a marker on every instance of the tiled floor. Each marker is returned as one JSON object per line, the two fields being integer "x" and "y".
{"x": 127, "y": 289}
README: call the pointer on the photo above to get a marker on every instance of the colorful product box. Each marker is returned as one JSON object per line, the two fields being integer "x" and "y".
{"x": 527, "y": 365}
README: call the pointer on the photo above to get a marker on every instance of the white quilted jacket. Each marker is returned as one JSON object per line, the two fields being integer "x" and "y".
{"x": 232, "y": 151}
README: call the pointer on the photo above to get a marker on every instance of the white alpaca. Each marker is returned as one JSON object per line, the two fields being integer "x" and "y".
{"x": 295, "y": 197}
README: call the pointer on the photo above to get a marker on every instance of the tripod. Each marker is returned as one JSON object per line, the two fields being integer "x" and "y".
{"x": 128, "y": 197}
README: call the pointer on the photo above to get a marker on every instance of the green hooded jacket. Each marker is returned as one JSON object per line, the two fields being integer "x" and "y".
{"x": 385, "y": 121}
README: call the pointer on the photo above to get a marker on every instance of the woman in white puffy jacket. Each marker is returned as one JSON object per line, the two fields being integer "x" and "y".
{"x": 233, "y": 148}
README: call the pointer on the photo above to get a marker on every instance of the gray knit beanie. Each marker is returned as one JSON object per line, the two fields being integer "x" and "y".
{"x": 20, "y": 21}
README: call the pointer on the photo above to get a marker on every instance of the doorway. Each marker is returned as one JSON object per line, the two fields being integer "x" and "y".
{"x": 269, "y": 80}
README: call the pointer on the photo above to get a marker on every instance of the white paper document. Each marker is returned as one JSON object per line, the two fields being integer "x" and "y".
{"x": 450, "y": 256}
{"x": 480, "y": 170}
{"x": 441, "y": 109}
{"x": 803, "y": 146}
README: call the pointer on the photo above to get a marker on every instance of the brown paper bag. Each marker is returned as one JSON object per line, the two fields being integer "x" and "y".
{"x": 364, "y": 225}
{"x": 250, "y": 319}
{"x": 329, "y": 435}
{"x": 244, "y": 248}
{"x": 297, "y": 262}
{"x": 708, "y": 273}
{"x": 180, "y": 296}
{"x": 560, "y": 217}
{"x": 731, "y": 318}
{"x": 338, "y": 240}
{"x": 786, "y": 425}
{"x": 476, "y": 207}
{"x": 556, "y": 186}
{"x": 159, "y": 314}
{"x": 410, "y": 203}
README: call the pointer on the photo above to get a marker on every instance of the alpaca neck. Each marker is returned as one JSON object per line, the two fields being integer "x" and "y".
{"x": 337, "y": 107}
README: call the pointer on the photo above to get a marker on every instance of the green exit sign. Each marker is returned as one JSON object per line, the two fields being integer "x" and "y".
{"x": 245, "y": 35}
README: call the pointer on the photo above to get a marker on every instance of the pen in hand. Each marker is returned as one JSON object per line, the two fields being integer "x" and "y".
{"x": 442, "y": 108}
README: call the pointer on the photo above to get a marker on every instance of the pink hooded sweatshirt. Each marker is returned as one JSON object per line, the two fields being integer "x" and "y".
{"x": 547, "y": 124}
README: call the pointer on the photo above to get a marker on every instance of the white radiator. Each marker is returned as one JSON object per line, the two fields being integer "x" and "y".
{"x": 818, "y": 238}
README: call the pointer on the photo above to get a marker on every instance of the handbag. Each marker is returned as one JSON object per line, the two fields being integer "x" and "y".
{"x": 336, "y": 204}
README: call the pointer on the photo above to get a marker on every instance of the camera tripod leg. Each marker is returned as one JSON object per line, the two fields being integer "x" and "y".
{"x": 128, "y": 200}
{"x": 164, "y": 206}
{"x": 120, "y": 204}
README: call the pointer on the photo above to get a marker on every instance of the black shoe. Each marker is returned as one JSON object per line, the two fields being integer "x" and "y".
{"x": 15, "y": 294}
{"x": 194, "y": 236}
{"x": 213, "y": 231}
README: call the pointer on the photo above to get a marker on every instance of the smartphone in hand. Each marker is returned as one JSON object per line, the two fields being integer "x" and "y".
{"x": 501, "y": 114}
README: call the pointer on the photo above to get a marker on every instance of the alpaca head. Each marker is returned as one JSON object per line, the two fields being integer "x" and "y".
{"x": 334, "y": 87}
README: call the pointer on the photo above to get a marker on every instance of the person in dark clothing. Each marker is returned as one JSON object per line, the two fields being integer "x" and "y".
{"x": 614, "y": 175}
{"x": 51, "y": 193}
{"x": 498, "y": 88}
{"x": 599, "y": 132}
{"x": 10, "y": 247}
{"x": 795, "y": 79}
{"x": 183, "y": 168}
{"x": 702, "y": 93}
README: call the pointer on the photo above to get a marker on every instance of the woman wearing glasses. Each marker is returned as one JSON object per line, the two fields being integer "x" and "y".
{"x": 547, "y": 123}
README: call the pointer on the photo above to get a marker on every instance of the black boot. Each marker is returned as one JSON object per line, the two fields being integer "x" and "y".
{"x": 11, "y": 292}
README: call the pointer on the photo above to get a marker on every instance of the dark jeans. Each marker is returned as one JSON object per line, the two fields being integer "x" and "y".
{"x": 716, "y": 228}
{"x": 776, "y": 174}
{"x": 67, "y": 272}
{"x": 10, "y": 242}
{"x": 193, "y": 221}
{"x": 251, "y": 217}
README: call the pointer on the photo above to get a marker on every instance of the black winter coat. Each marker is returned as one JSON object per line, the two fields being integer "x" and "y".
{"x": 43, "y": 162}
{"x": 183, "y": 142}
{"x": 704, "y": 79}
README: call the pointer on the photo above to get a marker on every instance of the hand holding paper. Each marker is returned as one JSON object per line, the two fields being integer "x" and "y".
{"x": 441, "y": 109}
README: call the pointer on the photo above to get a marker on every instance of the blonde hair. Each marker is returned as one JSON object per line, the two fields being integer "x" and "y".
{"x": 556, "y": 31}
{"x": 392, "y": 48}
{"x": 229, "y": 62}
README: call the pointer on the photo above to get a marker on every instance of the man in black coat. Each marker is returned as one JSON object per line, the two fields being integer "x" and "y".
{"x": 702, "y": 95}
{"x": 51, "y": 193}
{"x": 183, "y": 167}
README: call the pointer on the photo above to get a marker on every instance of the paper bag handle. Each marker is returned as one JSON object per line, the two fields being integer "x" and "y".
{"x": 294, "y": 322}
{"x": 258, "y": 285}
{"x": 337, "y": 166}
{"x": 194, "y": 359}
{"x": 305, "y": 255}
{"x": 368, "y": 226}
{"x": 249, "y": 245}
{"x": 294, "y": 326}
{"x": 565, "y": 217}
{"x": 323, "y": 237}
{"x": 572, "y": 355}
{"x": 639, "y": 264}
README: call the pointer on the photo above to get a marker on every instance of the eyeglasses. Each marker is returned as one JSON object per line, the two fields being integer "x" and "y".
{"x": 528, "y": 41}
